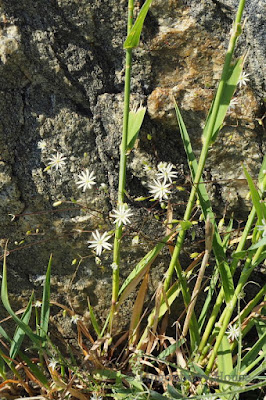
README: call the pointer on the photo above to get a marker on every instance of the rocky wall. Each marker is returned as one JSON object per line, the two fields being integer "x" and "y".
{"x": 61, "y": 90}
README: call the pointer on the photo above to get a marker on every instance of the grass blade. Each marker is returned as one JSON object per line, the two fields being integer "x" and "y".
{"x": 94, "y": 320}
{"x": 261, "y": 328}
{"x": 228, "y": 91}
{"x": 45, "y": 311}
{"x": 170, "y": 350}
{"x": 4, "y": 297}
{"x": 224, "y": 362}
{"x": 262, "y": 175}
{"x": 250, "y": 357}
{"x": 218, "y": 248}
{"x": 133, "y": 37}
{"x": 256, "y": 200}
{"x": 260, "y": 243}
{"x": 138, "y": 272}
{"x": 19, "y": 333}
{"x": 35, "y": 370}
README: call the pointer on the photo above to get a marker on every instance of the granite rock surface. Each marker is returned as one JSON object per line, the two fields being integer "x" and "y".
{"x": 61, "y": 84}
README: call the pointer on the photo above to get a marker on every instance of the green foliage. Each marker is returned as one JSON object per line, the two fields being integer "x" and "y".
{"x": 20, "y": 323}
{"x": 45, "y": 310}
{"x": 224, "y": 362}
{"x": 135, "y": 119}
{"x": 20, "y": 333}
{"x": 233, "y": 74}
{"x": 256, "y": 200}
{"x": 133, "y": 37}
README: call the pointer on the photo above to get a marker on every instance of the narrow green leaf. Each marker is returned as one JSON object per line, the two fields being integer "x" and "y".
{"x": 135, "y": 276}
{"x": 19, "y": 333}
{"x": 255, "y": 196}
{"x": 104, "y": 374}
{"x": 224, "y": 362}
{"x": 262, "y": 175}
{"x": 45, "y": 311}
{"x": 34, "y": 369}
{"x": 261, "y": 328}
{"x": 4, "y": 334}
{"x": 229, "y": 88}
{"x": 135, "y": 120}
{"x": 174, "y": 393}
{"x": 207, "y": 302}
{"x": 228, "y": 234}
{"x": 133, "y": 37}
{"x": 4, "y": 296}
{"x": 261, "y": 242}
{"x": 240, "y": 255}
{"x": 171, "y": 349}
{"x": 252, "y": 354}
{"x": 157, "y": 396}
{"x": 94, "y": 320}
{"x": 218, "y": 249}
{"x": 2, "y": 368}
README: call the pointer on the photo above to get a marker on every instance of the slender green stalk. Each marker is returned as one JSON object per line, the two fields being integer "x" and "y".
{"x": 122, "y": 169}
{"x": 254, "y": 363}
{"x": 206, "y": 144}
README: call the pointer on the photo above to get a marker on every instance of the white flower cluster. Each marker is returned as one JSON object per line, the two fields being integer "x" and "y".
{"x": 85, "y": 179}
{"x": 121, "y": 217}
{"x": 160, "y": 188}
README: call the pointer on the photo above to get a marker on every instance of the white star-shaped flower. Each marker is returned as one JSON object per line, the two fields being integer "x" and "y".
{"x": 262, "y": 227}
{"x": 233, "y": 103}
{"x": 243, "y": 79}
{"x": 75, "y": 318}
{"x": 100, "y": 242}
{"x": 166, "y": 172}
{"x": 160, "y": 189}
{"x": 86, "y": 180}
{"x": 137, "y": 108}
{"x": 95, "y": 397}
{"x": 52, "y": 364}
{"x": 42, "y": 144}
{"x": 233, "y": 332}
{"x": 121, "y": 215}
{"x": 57, "y": 161}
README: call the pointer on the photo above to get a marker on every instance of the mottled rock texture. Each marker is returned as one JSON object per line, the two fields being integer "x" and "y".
{"x": 61, "y": 81}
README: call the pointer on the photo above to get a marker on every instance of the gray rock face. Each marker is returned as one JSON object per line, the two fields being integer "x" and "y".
{"x": 61, "y": 82}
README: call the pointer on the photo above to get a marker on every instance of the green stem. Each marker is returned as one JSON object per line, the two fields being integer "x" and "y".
{"x": 122, "y": 168}
{"x": 255, "y": 362}
{"x": 203, "y": 156}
